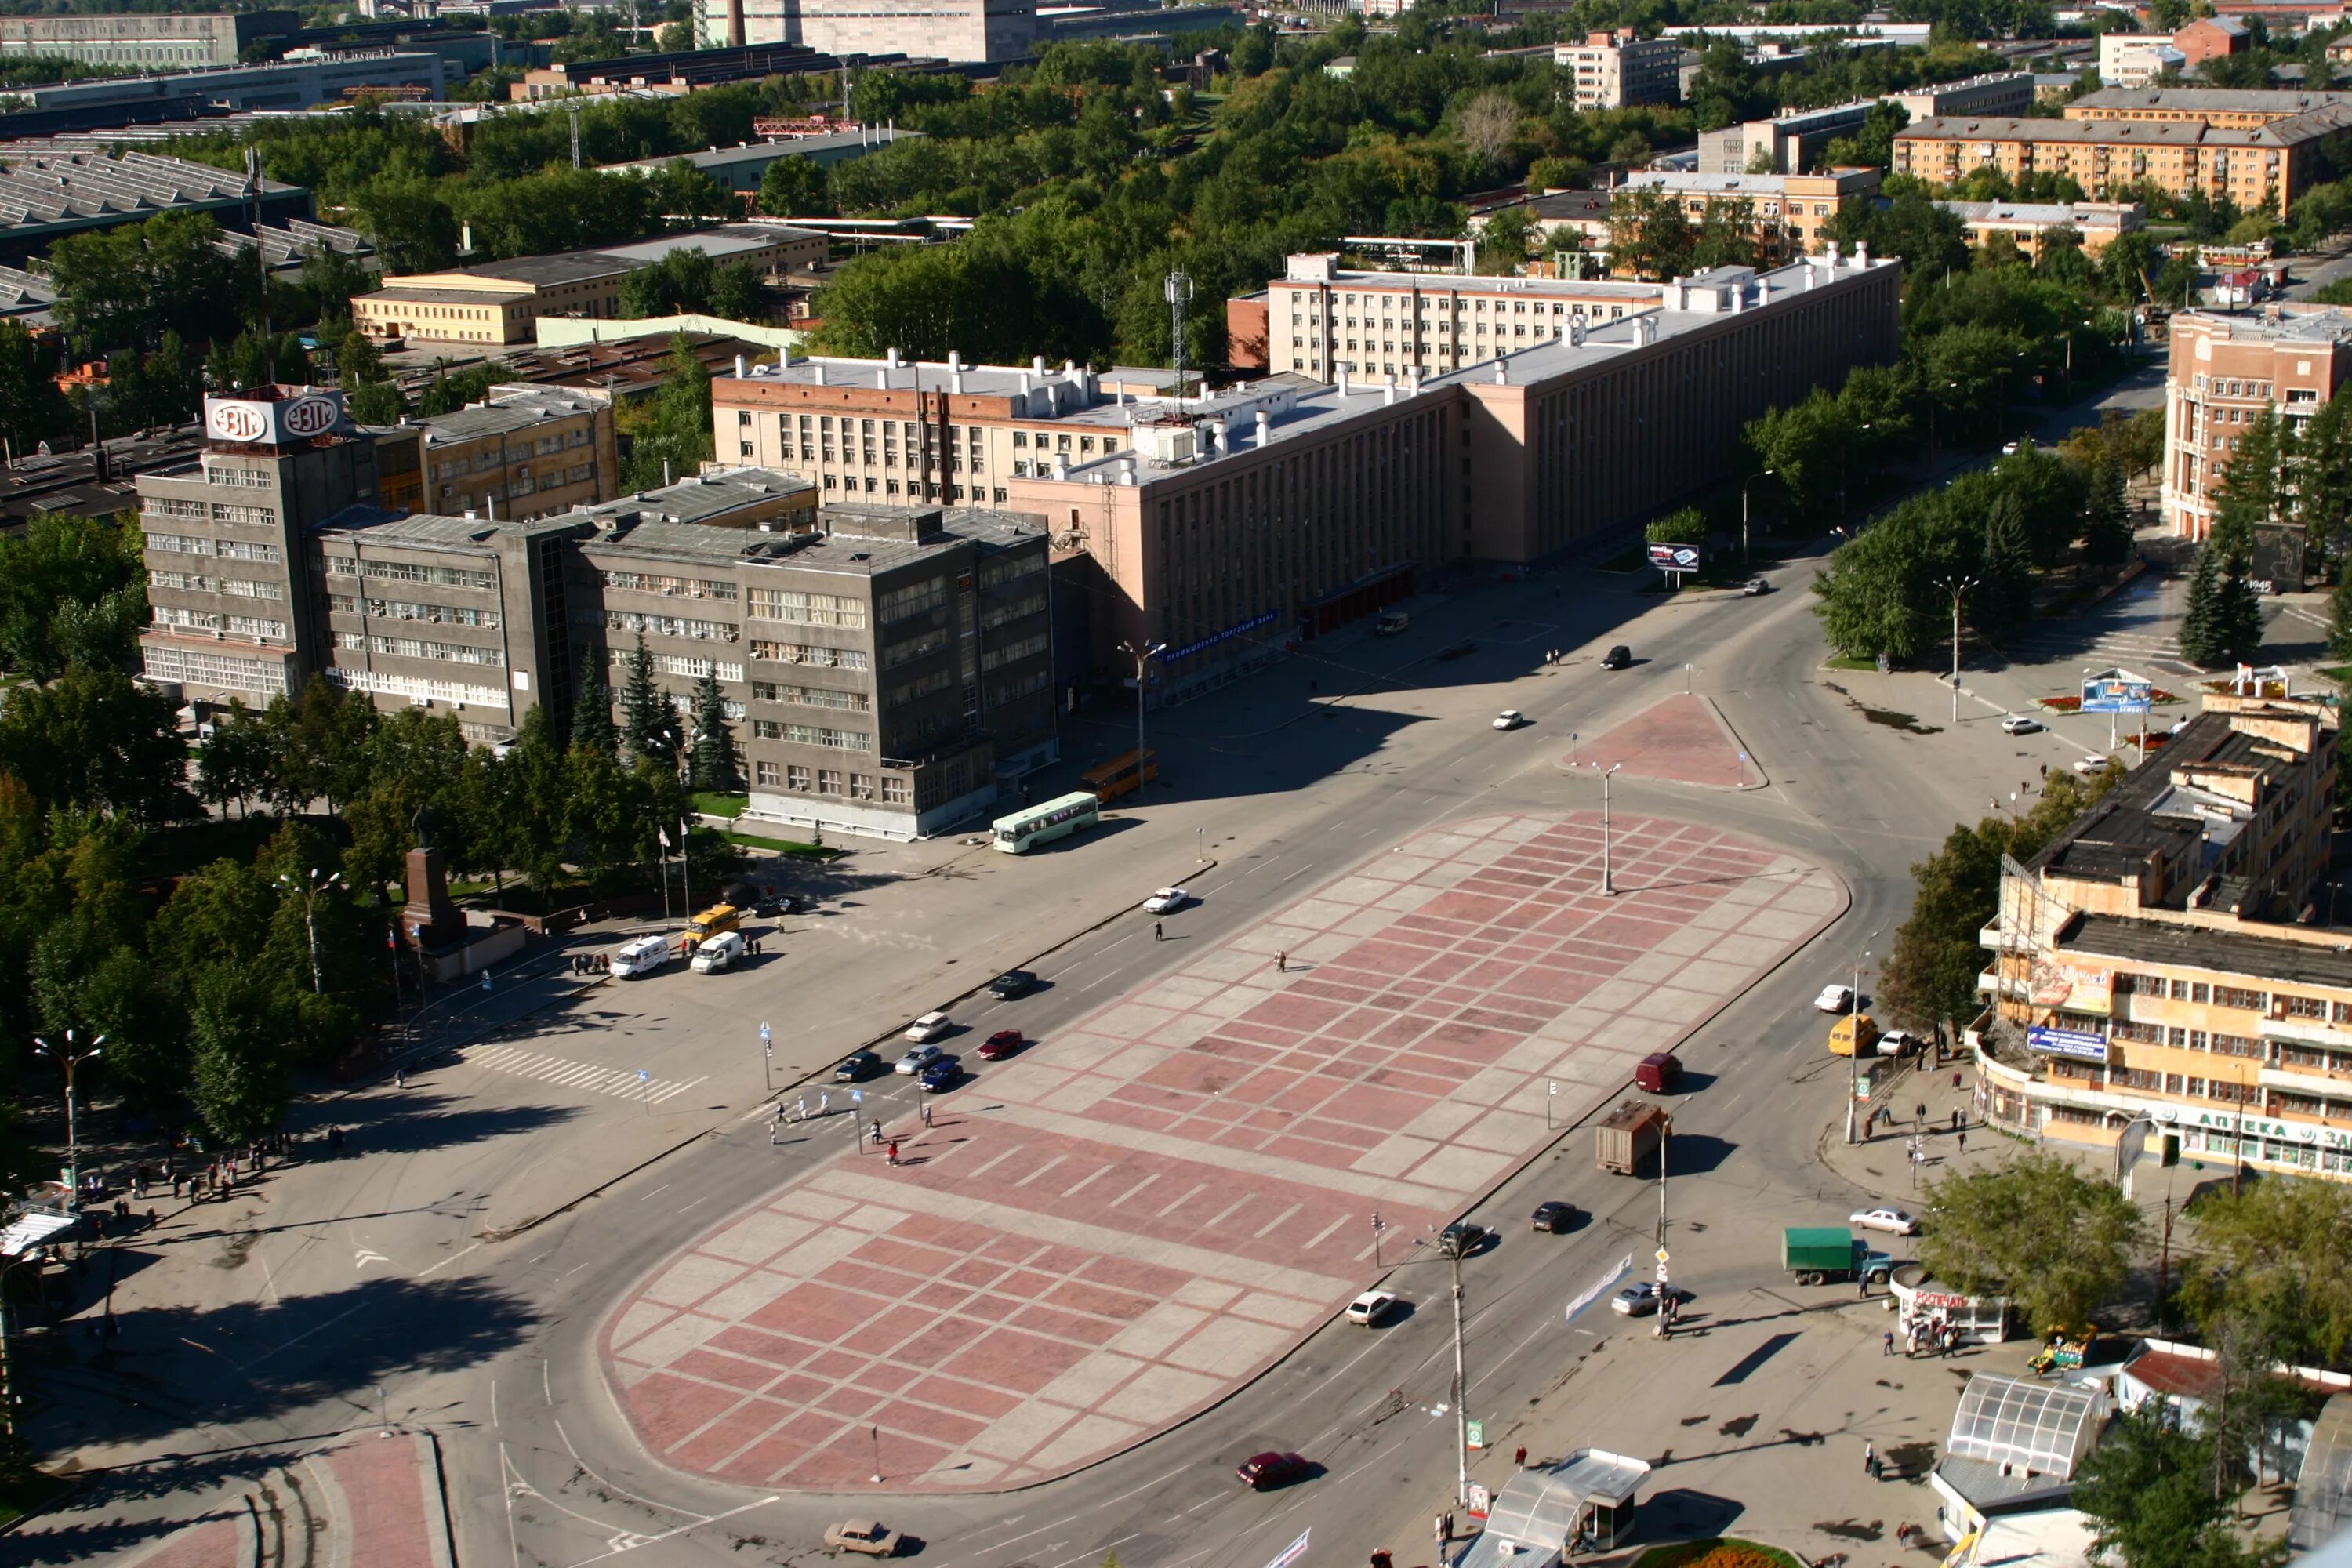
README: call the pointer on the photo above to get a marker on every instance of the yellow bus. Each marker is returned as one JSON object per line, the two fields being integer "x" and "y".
{"x": 718, "y": 917}
{"x": 1121, "y": 776}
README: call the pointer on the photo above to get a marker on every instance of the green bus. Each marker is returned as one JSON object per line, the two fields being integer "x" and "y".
{"x": 1057, "y": 818}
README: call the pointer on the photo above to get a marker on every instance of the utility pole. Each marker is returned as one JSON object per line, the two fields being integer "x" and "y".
{"x": 260, "y": 261}
{"x": 1143, "y": 656}
{"x": 573, "y": 109}
{"x": 1607, "y": 868}
{"x": 1956, "y": 587}
{"x": 1461, "y": 1396}
{"x": 311, "y": 890}
{"x": 1854, "y": 1041}
{"x": 1665, "y": 1299}
{"x": 1178, "y": 292}
{"x": 72, "y": 1058}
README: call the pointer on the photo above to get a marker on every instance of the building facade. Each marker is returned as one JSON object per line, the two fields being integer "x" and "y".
{"x": 2220, "y": 108}
{"x": 2029, "y": 224}
{"x": 961, "y": 31}
{"x": 2134, "y": 60}
{"x": 2222, "y": 371}
{"x": 1794, "y": 142}
{"x": 1612, "y": 71}
{"x": 1790, "y": 213}
{"x": 498, "y": 301}
{"x": 522, "y": 452}
{"x": 2272, "y": 164}
{"x": 2211, "y": 38}
{"x": 146, "y": 40}
{"x": 2162, "y": 963}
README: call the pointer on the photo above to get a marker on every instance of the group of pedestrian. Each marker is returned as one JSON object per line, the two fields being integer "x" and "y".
{"x": 1551, "y": 655}
{"x": 751, "y": 945}
{"x": 591, "y": 964}
{"x": 1871, "y": 1463}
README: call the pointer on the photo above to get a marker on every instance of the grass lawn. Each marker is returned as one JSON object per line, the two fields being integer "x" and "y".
{"x": 1724, "y": 1551}
{"x": 1850, "y": 661}
{"x": 729, "y": 806}
{"x": 2339, "y": 673}
{"x": 784, "y": 845}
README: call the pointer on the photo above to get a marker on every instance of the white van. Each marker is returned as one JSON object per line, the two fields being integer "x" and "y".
{"x": 643, "y": 956}
{"x": 718, "y": 953}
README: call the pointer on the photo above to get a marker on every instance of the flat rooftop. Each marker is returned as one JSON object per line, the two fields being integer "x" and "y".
{"x": 46, "y": 188}
{"x": 718, "y": 243}
{"x": 844, "y": 549}
{"x": 2269, "y": 958}
{"x": 506, "y": 412}
{"x": 2305, "y": 324}
{"x": 2210, "y": 99}
{"x": 695, "y": 501}
{"x": 774, "y": 147}
{"x": 2040, "y": 215}
{"x": 2324, "y": 121}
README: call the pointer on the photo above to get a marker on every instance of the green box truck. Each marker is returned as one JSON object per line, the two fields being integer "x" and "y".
{"x": 1817, "y": 1254}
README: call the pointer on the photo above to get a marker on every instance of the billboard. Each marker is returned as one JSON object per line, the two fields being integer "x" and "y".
{"x": 2072, "y": 988}
{"x": 274, "y": 421}
{"x": 1674, "y": 557}
{"x": 2115, "y": 693}
{"x": 2080, "y": 1044}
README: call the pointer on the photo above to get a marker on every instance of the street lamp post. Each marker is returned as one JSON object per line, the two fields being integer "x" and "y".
{"x": 1143, "y": 654}
{"x": 1854, "y": 1041}
{"x": 1956, "y": 587}
{"x": 72, "y": 1058}
{"x": 1751, "y": 479}
{"x": 311, "y": 889}
{"x": 1607, "y": 868}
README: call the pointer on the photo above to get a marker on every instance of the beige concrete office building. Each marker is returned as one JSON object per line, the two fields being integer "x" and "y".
{"x": 1613, "y": 70}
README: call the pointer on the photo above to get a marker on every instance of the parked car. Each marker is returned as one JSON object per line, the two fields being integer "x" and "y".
{"x": 722, "y": 951}
{"x": 1167, "y": 900}
{"x": 1264, "y": 1472}
{"x": 1895, "y": 1220}
{"x": 930, "y": 1026}
{"x": 1641, "y": 1299}
{"x": 1000, "y": 1045}
{"x": 919, "y": 1058}
{"x": 1371, "y": 1308}
{"x": 1509, "y": 718}
{"x": 1755, "y": 586}
{"x": 2019, "y": 724}
{"x": 869, "y": 1536}
{"x": 935, "y": 1076}
{"x": 642, "y": 956}
{"x": 1553, "y": 1218}
{"x": 1012, "y": 982}
{"x": 1835, "y": 999}
{"x": 1462, "y": 1238}
{"x": 857, "y": 1066}
{"x": 1658, "y": 1072}
{"x": 1617, "y": 657}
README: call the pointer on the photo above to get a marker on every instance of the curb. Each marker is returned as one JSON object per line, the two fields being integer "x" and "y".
{"x": 775, "y": 1097}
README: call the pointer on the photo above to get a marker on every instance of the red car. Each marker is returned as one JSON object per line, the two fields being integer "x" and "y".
{"x": 1000, "y": 1045}
{"x": 1264, "y": 1472}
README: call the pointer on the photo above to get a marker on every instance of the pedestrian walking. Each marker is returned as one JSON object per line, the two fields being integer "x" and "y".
{"x": 1919, "y": 1114}
{"x": 1282, "y": 963}
{"x": 1889, "y": 1345}
{"x": 1869, "y": 1457}
{"x": 1157, "y": 933}
{"x": 1444, "y": 1528}
{"x": 400, "y": 1077}
{"x": 893, "y": 1151}
{"x": 1956, "y": 1119}
{"x": 1955, "y": 1081}
{"x": 927, "y": 1113}
{"x": 1964, "y": 1139}
{"x": 1520, "y": 1459}
{"x": 877, "y": 1130}
{"x": 800, "y": 1107}
{"x": 824, "y": 1102}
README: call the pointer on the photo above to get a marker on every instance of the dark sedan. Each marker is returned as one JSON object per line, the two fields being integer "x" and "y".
{"x": 1462, "y": 1238}
{"x": 939, "y": 1075}
{"x": 1010, "y": 984}
{"x": 1554, "y": 1217}
{"x": 857, "y": 1066}
{"x": 1264, "y": 1472}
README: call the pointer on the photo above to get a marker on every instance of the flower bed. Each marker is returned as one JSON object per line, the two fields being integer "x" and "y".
{"x": 1726, "y": 1552}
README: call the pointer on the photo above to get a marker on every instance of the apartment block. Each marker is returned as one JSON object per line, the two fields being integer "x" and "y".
{"x": 2272, "y": 163}
{"x": 2134, "y": 60}
{"x": 2220, "y": 108}
{"x": 1791, "y": 213}
{"x": 497, "y": 301}
{"x": 1231, "y": 525}
{"x": 2211, "y": 38}
{"x": 2222, "y": 371}
{"x": 522, "y": 452}
{"x": 230, "y": 612}
{"x": 1612, "y": 71}
{"x": 2029, "y": 224}
{"x": 144, "y": 39}
{"x": 1795, "y": 141}
{"x": 2163, "y": 963}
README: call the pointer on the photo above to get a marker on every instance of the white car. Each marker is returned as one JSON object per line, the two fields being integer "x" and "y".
{"x": 1755, "y": 586}
{"x": 721, "y": 952}
{"x": 2019, "y": 724}
{"x": 928, "y": 1027}
{"x": 1894, "y": 1220}
{"x": 1509, "y": 718}
{"x": 1371, "y": 1307}
{"x": 1835, "y": 999}
{"x": 919, "y": 1058}
{"x": 1167, "y": 900}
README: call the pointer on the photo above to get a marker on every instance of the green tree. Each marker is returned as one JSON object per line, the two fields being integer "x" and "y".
{"x": 2056, "y": 1242}
{"x": 2203, "y": 639}
{"x": 2322, "y": 475}
{"x": 32, "y": 410}
{"x": 2148, "y": 1489}
{"x": 717, "y": 761}
{"x": 2005, "y": 596}
{"x": 648, "y": 722}
{"x": 670, "y": 431}
{"x": 411, "y": 224}
{"x": 124, "y": 287}
{"x": 1648, "y": 235}
{"x": 94, "y": 739}
{"x": 2277, "y": 1254}
{"x": 2250, "y": 492}
{"x": 72, "y": 590}
{"x": 1687, "y": 526}
{"x": 2106, "y": 519}
{"x": 591, "y": 709}
{"x": 797, "y": 187}
{"x": 239, "y": 1071}
{"x": 2339, "y": 619}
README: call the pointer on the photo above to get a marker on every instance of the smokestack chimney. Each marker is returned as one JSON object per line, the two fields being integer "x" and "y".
{"x": 1343, "y": 378}
{"x": 734, "y": 23}
{"x": 1265, "y": 428}
{"x": 742, "y": 367}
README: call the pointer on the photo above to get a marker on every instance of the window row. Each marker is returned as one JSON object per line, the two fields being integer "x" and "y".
{"x": 812, "y": 697}
{"x": 792, "y": 607}
{"x": 801, "y": 780}
{"x": 678, "y": 588}
{"x": 810, "y": 653}
{"x": 669, "y": 625}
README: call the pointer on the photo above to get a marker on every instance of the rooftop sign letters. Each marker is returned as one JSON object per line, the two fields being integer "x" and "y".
{"x": 274, "y": 421}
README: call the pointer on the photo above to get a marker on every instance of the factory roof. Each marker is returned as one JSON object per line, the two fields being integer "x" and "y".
{"x": 2042, "y": 214}
{"x": 2292, "y": 324}
{"x": 720, "y": 243}
{"x": 46, "y": 188}
{"x": 711, "y": 158}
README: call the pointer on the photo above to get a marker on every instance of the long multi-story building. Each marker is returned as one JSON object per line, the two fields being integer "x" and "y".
{"x": 497, "y": 301}
{"x": 2166, "y": 962}
{"x": 883, "y": 668}
{"x": 1794, "y": 142}
{"x": 2273, "y": 164}
{"x": 1612, "y": 71}
{"x": 2221, "y": 372}
{"x": 2096, "y": 225}
{"x": 145, "y": 39}
{"x": 521, "y": 452}
{"x": 2221, "y": 108}
{"x": 1791, "y": 213}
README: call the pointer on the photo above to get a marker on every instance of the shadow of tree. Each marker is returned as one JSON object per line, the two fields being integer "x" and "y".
{"x": 412, "y": 1120}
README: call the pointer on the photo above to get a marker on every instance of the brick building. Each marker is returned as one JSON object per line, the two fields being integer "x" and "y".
{"x": 522, "y": 452}
{"x": 2221, "y": 371}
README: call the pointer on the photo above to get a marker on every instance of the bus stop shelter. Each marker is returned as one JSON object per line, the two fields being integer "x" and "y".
{"x": 1543, "y": 1511}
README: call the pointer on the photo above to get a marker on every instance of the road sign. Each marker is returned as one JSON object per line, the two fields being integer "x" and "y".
{"x": 856, "y": 1097}
{"x": 1292, "y": 1552}
{"x": 1662, "y": 1255}
{"x": 1474, "y": 1433}
{"x": 642, "y": 1075}
{"x": 766, "y": 1036}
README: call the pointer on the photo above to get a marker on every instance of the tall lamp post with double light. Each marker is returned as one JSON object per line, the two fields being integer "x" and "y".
{"x": 1143, "y": 654}
{"x": 1957, "y": 587}
{"x": 1460, "y": 1378}
{"x": 72, "y": 1056}
{"x": 1854, "y": 1041}
{"x": 1608, "y": 866}
{"x": 311, "y": 888}
{"x": 1751, "y": 479}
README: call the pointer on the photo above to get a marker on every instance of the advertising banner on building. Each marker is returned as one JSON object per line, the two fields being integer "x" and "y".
{"x": 2080, "y": 1044}
{"x": 2073, "y": 988}
{"x": 274, "y": 421}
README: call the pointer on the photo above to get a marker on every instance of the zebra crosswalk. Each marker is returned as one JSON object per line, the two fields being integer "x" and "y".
{"x": 621, "y": 1083}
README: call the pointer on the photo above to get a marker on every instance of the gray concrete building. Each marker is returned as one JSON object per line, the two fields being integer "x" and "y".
{"x": 149, "y": 40}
